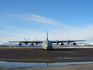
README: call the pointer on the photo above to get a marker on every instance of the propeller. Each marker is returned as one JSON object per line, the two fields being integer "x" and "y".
{"x": 68, "y": 41}
{"x": 57, "y": 41}
{"x": 26, "y": 41}
{"x": 36, "y": 42}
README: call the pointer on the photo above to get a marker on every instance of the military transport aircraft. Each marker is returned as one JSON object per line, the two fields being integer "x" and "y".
{"x": 47, "y": 45}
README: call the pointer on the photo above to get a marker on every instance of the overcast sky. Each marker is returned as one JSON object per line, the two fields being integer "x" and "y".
{"x": 31, "y": 19}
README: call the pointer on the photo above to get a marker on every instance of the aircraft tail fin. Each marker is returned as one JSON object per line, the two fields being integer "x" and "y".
{"x": 47, "y": 35}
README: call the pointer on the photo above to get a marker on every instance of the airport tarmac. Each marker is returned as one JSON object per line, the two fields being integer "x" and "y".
{"x": 58, "y": 54}
{"x": 36, "y": 54}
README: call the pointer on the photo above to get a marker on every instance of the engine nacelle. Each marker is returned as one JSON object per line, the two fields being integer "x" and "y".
{"x": 37, "y": 43}
{"x": 57, "y": 42}
{"x": 74, "y": 43}
{"x": 20, "y": 44}
{"x": 32, "y": 44}
{"x": 67, "y": 42}
{"x": 62, "y": 44}
{"x": 26, "y": 42}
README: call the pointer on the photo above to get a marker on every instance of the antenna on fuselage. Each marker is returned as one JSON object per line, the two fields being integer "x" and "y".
{"x": 47, "y": 35}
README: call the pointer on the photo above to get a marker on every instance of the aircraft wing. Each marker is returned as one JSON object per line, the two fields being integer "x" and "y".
{"x": 57, "y": 41}
{"x": 67, "y": 41}
{"x": 76, "y": 40}
{"x": 27, "y": 41}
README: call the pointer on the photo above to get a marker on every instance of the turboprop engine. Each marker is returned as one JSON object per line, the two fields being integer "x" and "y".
{"x": 74, "y": 43}
{"x": 67, "y": 41}
{"x": 20, "y": 44}
{"x": 32, "y": 44}
{"x": 57, "y": 42}
{"x": 36, "y": 42}
{"x": 62, "y": 44}
{"x": 26, "y": 42}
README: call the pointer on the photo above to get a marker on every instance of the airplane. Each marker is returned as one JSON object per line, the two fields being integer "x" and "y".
{"x": 47, "y": 44}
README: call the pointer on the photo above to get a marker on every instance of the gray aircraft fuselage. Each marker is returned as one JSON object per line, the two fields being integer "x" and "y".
{"x": 47, "y": 45}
